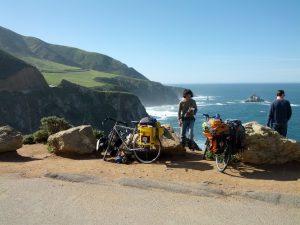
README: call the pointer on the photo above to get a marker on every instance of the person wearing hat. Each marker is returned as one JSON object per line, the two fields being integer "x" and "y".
{"x": 280, "y": 113}
{"x": 186, "y": 115}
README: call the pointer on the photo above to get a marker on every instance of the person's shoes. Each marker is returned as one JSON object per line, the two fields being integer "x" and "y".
{"x": 182, "y": 144}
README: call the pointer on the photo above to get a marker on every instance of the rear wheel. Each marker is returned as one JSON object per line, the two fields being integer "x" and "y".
{"x": 223, "y": 159}
{"x": 146, "y": 154}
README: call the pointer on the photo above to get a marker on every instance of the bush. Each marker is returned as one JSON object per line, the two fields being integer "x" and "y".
{"x": 40, "y": 136}
{"x": 28, "y": 139}
{"x": 98, "y": 133}
{"x": 54, "y": 124}
{"x": 50, "y": 149}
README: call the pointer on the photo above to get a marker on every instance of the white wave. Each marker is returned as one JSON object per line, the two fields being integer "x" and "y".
{"x": 295, "y": 105}
{"x": 205, "y": 97}
{"x": 231, "y": 102}
{"x": 218, "y": 103}
{"x": 262, "y": 111}
{"x": 162, "y": 113}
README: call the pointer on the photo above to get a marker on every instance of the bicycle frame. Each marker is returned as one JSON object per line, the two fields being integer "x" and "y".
{"x": 115, "y": 131}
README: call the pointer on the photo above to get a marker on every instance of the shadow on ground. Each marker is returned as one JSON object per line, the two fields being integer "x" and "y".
{"x": 15, "y": 157}
{"x": 188, "y": 161}
{"x": 285, "y": 172}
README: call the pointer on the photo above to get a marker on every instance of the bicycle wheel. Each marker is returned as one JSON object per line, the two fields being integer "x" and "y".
{"x": 223, "y": 159}
{"x": 146, "y": 154}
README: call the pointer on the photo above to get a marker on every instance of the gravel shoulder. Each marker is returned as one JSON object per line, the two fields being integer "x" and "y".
{"x": 35, "y": 161}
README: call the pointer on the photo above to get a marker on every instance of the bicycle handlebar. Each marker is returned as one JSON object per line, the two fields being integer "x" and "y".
{"x": 114, "y": 120}
{"x": 206, "y": 115}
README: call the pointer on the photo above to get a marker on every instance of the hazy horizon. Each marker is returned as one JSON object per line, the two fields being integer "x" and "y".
{"x": 174, "y": 42}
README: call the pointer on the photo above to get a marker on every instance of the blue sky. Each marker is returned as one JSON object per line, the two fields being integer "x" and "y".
{"x": 173, "y": 41}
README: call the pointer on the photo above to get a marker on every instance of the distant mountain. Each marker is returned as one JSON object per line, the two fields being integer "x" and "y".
{"x": 16, "y": 75}
{"x": 23, "y": 46}
{"x": 92, "y": 70}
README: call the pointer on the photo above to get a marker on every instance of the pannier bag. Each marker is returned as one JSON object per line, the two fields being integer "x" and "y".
{"x": 217, "y": 126}
{"x": 213, "y": 129}
{"x": 238, "y": 134}
{"x": 150, "y": 131}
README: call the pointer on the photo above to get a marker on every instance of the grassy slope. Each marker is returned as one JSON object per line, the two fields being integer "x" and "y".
{"x": 54, "y": 73}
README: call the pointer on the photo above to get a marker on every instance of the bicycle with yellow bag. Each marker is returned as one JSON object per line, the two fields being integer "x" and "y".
{"x": 142, "y": 140}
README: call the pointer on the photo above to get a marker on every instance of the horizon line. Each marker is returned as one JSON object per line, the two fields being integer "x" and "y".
{"x": 233, "y": 83}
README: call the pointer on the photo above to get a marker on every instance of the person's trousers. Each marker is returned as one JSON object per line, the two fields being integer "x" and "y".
{"x": 280, "y": 128}
{"x": 187, "y": 127}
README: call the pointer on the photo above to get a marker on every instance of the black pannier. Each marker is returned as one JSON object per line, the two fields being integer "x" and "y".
{"x": 238, "y": 133}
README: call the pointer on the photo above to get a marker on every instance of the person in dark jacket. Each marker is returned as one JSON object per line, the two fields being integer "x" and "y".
{"x": 280, "y": 113}
{"x": 186, "y": 115}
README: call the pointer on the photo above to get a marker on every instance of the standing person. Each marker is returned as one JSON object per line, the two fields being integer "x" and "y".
{"x": 280, "y": 113}
{"x": 186, "y": 115}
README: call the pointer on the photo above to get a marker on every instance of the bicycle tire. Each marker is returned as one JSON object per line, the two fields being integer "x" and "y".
{"x": 145, "y": 156}
{"x": 224, "y": 158}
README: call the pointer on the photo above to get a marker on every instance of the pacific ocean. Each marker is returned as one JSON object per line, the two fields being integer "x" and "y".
{"x": 229, "y": 101}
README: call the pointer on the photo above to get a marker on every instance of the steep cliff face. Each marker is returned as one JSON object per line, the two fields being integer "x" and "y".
{"x": 16, "y": 75}
{"x": 26, "y": 79}
{"x": 76, "y": 104}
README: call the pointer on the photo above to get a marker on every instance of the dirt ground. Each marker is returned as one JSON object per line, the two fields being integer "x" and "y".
{"x": 35, "y": 161}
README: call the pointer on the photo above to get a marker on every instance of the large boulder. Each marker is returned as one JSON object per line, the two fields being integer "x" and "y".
{"x": 75, "y": 141}
{"x": 10, "y": 139}
{"x": 170, "y": 141}
{"x": 264, "y": 146}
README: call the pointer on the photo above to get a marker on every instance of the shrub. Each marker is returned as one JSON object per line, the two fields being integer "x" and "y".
{"x": 50, "y": 149}
{"x": 28, "y": 139}
{"x": 98, "y": 133}
{"x": 54, "y": 124}
{"x": 40, "y": 136}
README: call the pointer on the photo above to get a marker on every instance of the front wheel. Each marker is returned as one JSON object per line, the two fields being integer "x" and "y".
{"x": 146, "y": 154}
{"x": 223, "y": 159}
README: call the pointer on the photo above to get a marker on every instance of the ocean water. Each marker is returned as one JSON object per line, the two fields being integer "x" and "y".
{"x": 229, "y": 101}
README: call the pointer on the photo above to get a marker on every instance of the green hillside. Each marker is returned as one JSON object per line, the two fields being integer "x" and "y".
{"x": 54, "y": 73}
{"x": 22, "y": 46}
{"x": 92, "y": 70}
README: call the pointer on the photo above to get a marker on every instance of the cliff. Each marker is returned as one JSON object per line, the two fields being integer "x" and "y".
{"x": 76, "y": 104}
{"x": 16, "y": 75}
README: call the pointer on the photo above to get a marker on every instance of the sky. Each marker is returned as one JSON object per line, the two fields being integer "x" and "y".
{"x": 173, "y": 41}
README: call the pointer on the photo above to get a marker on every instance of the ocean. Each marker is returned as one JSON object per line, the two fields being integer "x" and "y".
{"x": 229, "y": 101}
